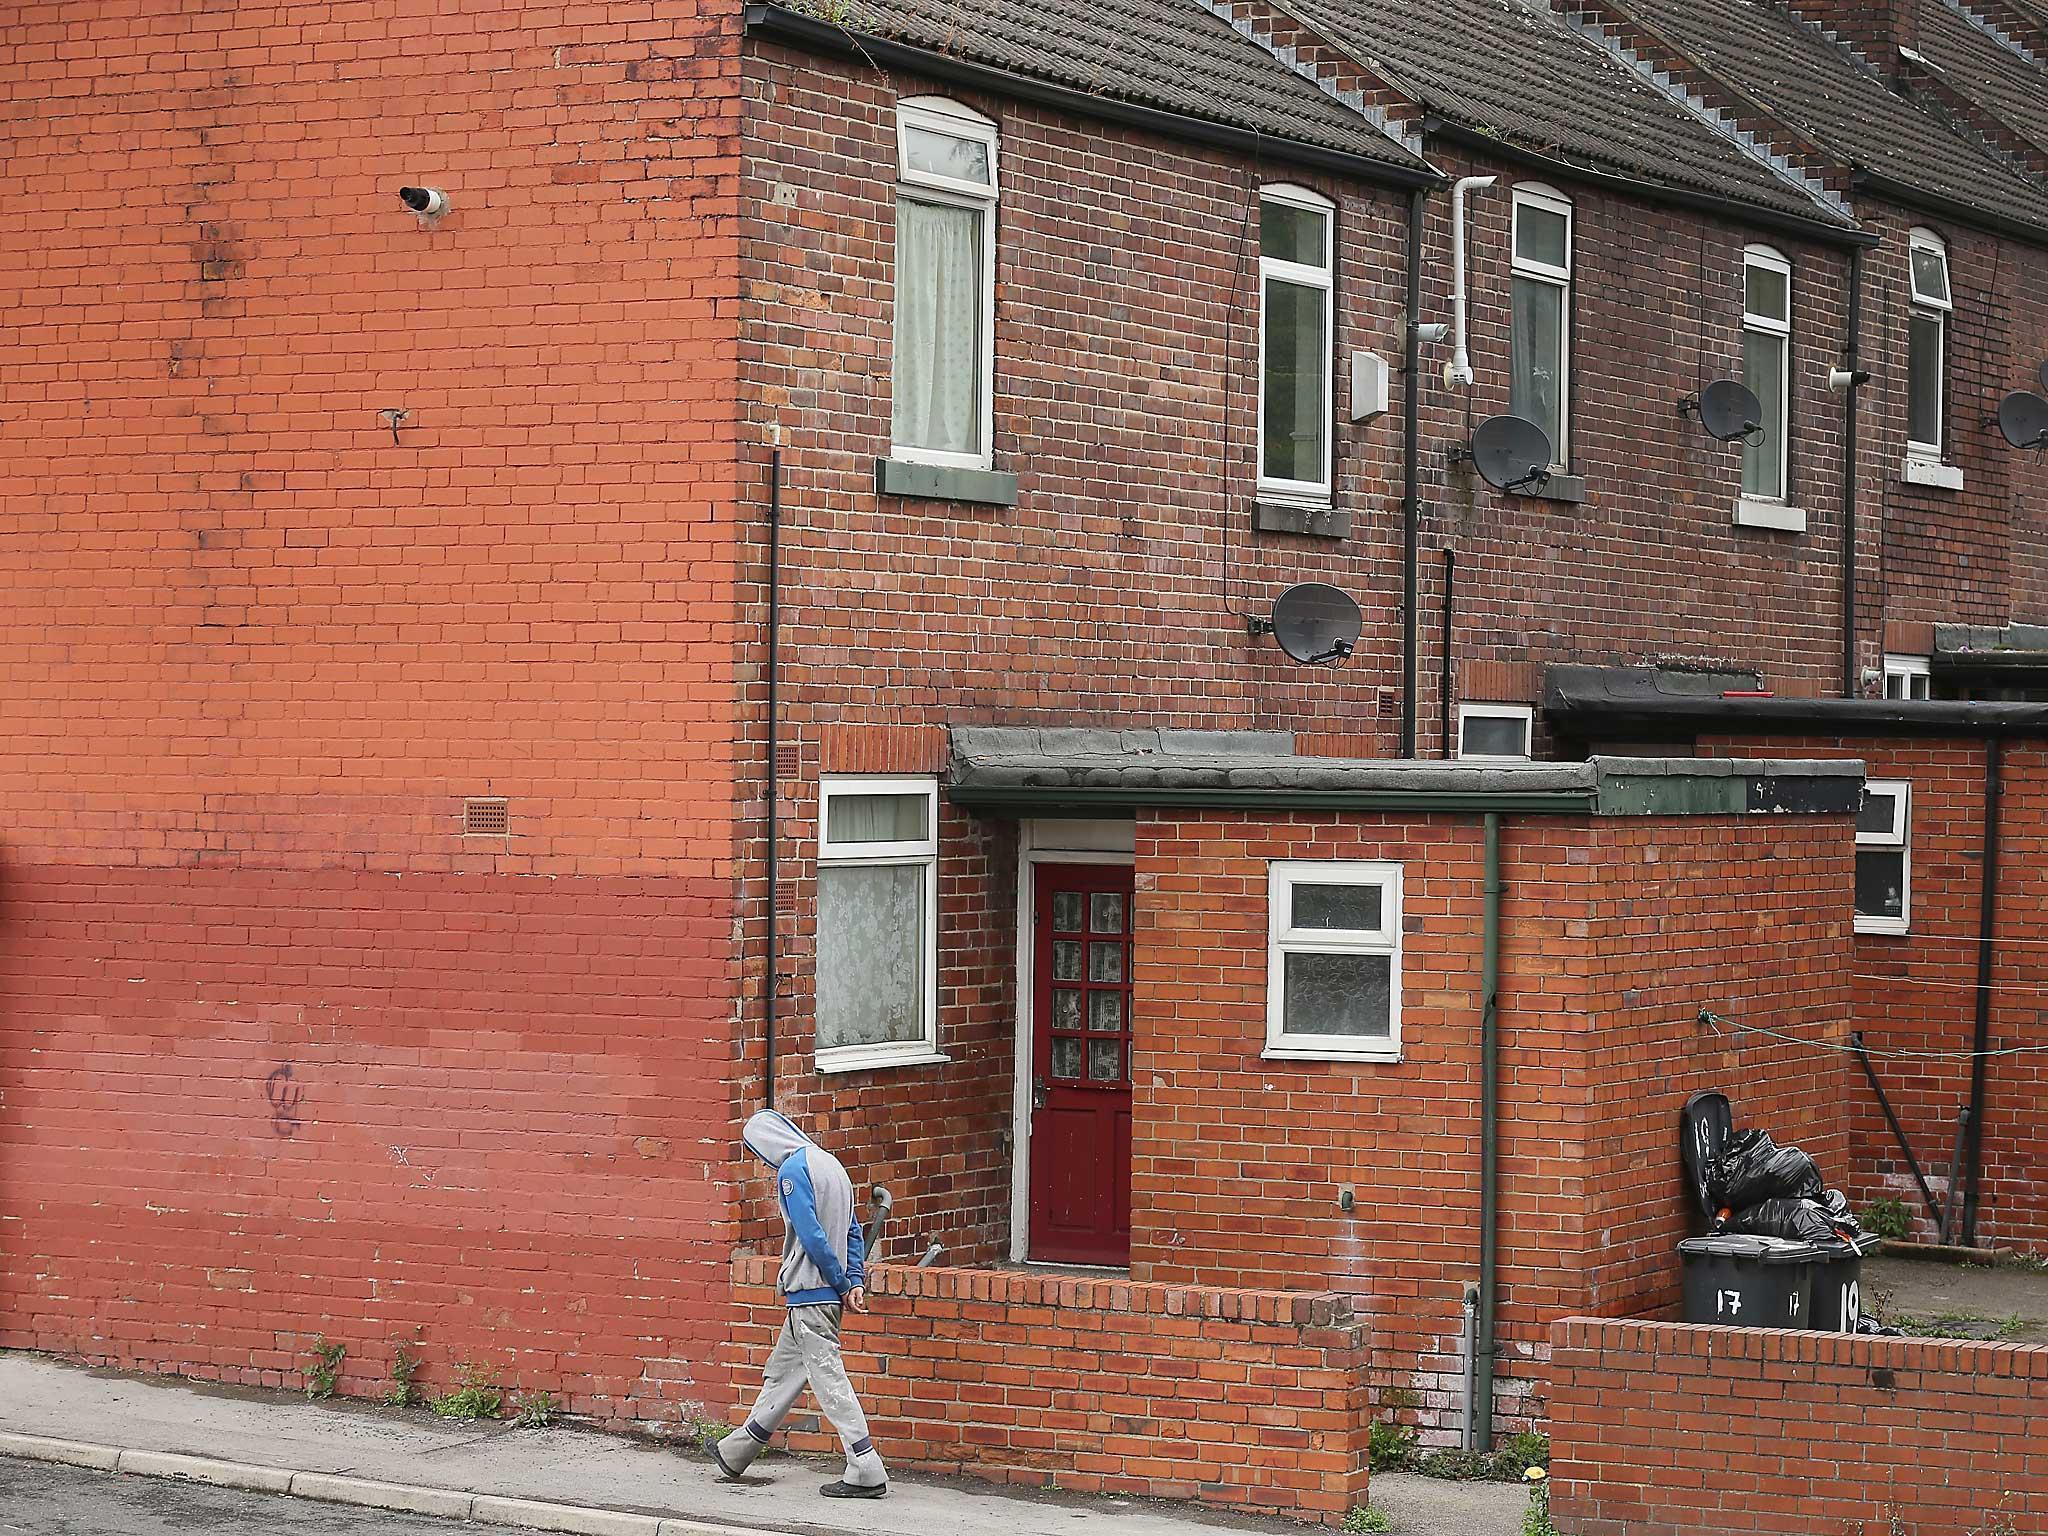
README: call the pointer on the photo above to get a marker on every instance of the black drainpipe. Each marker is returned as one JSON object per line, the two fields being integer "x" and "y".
{"x": 1411, "y": 509}
{"x": 1987, "y": 940}
{"x": 1851, "y": 683}
{"x": 1489, "y": 1137}
{"x": 774, "y": 743}
{"x": 1444, "y": 687}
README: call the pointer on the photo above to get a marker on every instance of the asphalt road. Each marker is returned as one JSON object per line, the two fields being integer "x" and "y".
{"x": 38, "y": 1499}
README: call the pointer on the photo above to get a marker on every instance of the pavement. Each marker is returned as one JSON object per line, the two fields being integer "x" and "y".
{"x": 259, "y": 1445}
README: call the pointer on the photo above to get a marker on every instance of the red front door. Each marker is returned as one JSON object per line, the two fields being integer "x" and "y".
{"x": 1081, "y": 1064}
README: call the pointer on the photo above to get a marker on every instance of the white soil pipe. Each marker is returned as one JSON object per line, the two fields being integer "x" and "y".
{"x": 1459, "y": 369}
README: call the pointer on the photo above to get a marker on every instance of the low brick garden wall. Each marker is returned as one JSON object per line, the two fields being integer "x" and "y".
{"x": 1668, "y": 1428}
{"x": 1247, "y": 1399}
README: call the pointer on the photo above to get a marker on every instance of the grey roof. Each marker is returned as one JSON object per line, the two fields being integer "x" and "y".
{"x": 1996, "y": 77}
{"x": 1019, "y": 767}
{"x": 1583, "y": 699}
{"x": 1171, "y": 55}
{"x": 1519, "y": 72}
{"x": 1821, "y": 89}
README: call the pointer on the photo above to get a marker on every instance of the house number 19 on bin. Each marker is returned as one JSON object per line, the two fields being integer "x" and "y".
{"x": 1852, "y": 1306}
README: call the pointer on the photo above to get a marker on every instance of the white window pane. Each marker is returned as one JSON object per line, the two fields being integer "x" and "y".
{"x": 1297, "y": 411}
{"x": 1353, "y": 907}
{"x": 1923, "y": 379}
{"x": 876, "y": 819}
{"x": 1288, "y": 233}
{"x": 1344, "y": 995}
{"x": 938, "y": 340}
{"x": 1880, "y": 882}
{"x": 1878, "y": 813}
{"x": 1766, "y": 292}
{"x": 871, "y": 959}
{"x": 1541, "y": 235}
{"x": 1493, "y": 736}
{"x": 1930, "y": 275}
{"x": 1763, "y": 370}
{"x": 944, "y": 154}
{"x": 1536, "y": 383}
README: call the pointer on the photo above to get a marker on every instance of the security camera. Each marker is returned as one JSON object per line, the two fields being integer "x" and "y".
{"x": 427, "y": 202}
{"x": 1431, "y": 331}
{"x": 1842, "y": 380}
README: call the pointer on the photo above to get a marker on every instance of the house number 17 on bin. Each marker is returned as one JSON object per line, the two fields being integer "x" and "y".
{"x": 1727, "y": 1303}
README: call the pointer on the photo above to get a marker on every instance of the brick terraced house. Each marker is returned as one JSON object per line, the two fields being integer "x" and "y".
{"x": 760, "y": 599}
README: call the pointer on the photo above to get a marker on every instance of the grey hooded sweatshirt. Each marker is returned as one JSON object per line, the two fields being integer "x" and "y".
{"x": 823, "y": 1255}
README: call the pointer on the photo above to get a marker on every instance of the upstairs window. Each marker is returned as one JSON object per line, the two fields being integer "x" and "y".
{"x": 1295, "y": 343}
{"x": 1884, "y": 874}
{"x": 1540, "y": 353}
{"x": 1907, "y": 677}
{"x": 1495, "y": 730}
{"x": 1767, "y": 368}
{"x": 877, "y": 964}
{"x": 942, "y": 363}
{"x": 1927, "y": 345}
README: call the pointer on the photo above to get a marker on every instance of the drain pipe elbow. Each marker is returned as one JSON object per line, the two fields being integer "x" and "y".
{"x": 1458, "y": 371}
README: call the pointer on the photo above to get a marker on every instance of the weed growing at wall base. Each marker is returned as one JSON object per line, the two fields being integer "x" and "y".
{"x": 1887, "y": 1217}
{"x": 533, "y": 1410}
{"x": 1363, "y": 1517}
{"x": 698, "y": 1426}
{"x": 324, "y": 1374}
{"x": 479, "y": 1397}
{"x": 405, "y": 1365}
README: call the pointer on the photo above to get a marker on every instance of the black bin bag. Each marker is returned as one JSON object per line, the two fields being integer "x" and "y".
{"x": 1755, "y": 1169}
{"x": 1801, "y": 1221}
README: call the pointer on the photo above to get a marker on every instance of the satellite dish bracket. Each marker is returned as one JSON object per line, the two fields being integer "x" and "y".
{"x": 1256, "y": 626}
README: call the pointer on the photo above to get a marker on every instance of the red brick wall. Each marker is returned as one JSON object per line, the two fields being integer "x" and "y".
{"x": 1237, "y": 1160}
{"x": 258, "y": 652}
{"x": 1917, "y": 991}
{"x": 1673, "y": 1430}
{"x": 1251, "y": 1400}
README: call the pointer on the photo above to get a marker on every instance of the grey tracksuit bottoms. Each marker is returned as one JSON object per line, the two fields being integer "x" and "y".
{"x": 807, "y": 1351}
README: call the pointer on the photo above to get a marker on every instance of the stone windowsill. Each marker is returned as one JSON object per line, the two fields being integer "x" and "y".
{"x": 1757, "y": 512}
{"x": 944, "y": 482}
{"x": 1316, "y": 519}
{"x": 1942, "y": 477}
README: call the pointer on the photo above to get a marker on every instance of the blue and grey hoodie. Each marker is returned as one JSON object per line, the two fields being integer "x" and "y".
{"x": 823, "y": 1256}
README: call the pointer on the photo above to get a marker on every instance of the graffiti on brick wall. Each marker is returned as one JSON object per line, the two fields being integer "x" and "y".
{"x": 285, "y": 1094}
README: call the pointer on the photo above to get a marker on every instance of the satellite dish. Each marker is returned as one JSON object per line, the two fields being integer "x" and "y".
{"x": 2023, "y": 418}
{"x": 1314, "y": 623}
{"x": 1727, "y": 410}
{"x": 1510, "y": 452}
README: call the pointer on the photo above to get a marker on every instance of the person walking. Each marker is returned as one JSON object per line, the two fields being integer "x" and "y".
{"x": 823, "y": 1270}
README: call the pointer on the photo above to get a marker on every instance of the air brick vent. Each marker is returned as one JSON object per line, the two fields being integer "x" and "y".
{"x": 486, "y": 818}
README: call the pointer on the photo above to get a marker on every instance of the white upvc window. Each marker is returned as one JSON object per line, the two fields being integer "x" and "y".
{"x": 1927, "y": 345}
{"x": 1884, "y": 857}
{"x": 1907, "y": 677}
{"x": 877, "y": 949}
{"x": 1767, "y": 369}
{"x": 1333, "y": 961}
{"x": 942, "y": 359}
{"x": 1540, "y": 338}
{"x": 1496, "y": 730}
{"x": 1296, "y": 343}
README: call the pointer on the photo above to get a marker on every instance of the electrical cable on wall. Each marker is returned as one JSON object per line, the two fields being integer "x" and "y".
{"x": 1231, "y": 359}
{"x": 1721, "y": 1024}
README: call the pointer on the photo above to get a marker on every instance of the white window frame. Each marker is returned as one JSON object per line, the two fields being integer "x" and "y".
{"x": 1313, "y": 492}
{"x": 1282, "y": 939}
{"x": 1899, "y": 839}
{"x": 1535, "y": 194}
{"x": 1940, "y": 307}
{"x": 923, "y": 851}
{"x": 1524, "y": 713}
{"x": 1907, "y": 677}
{"x": 1769, "y": 259}
{"x": 941, "y": 116}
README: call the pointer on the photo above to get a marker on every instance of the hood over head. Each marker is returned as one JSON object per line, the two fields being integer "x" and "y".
{"x": 772, "y": 1136}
